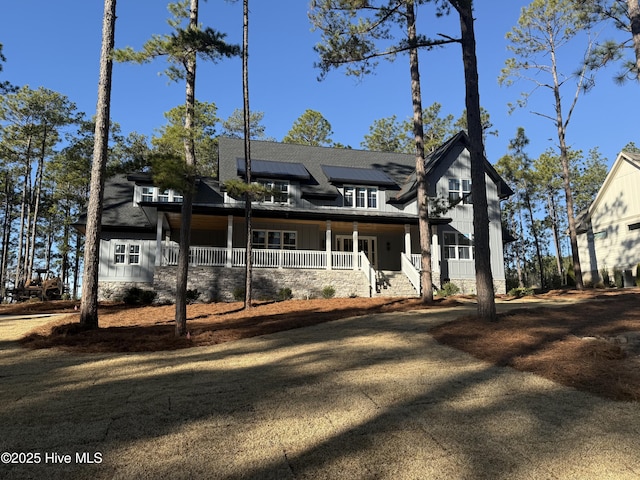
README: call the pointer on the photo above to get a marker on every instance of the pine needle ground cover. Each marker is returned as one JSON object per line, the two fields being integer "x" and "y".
{"x": 587, "y": 340}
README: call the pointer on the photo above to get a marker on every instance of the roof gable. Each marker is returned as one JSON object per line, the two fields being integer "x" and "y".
{"x": 435, "y": 158}
{"x": 623, "y": 158}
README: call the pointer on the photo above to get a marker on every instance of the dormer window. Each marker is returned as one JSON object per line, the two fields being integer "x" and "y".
{"x": 360, "y": 197}
{"x": 279, "y": 191}
{"x": 155, "y": 194}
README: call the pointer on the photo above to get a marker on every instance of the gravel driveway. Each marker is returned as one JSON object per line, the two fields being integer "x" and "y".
{"x": 360, "y": 398}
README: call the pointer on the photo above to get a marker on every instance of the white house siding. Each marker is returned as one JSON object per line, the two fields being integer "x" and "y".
{"x": 609, "y": 243}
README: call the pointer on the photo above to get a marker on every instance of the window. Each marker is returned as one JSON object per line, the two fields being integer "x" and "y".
{"x": 134, "y": 254}
{"x": 127, "y": 254}
{"x": 147, "y": 194}
{"x": 154, "y": 194}
{"x": 274, "y": 239}
{"x": 163, "y": 196}
{"x": 120, "y": 253}
{"x": 634, "y": 226}
{"x": 459, "y": 191}
{"x": 279, "y": 191}
{"x": 458, "y": 246}
{"x": 600, "y": 235}
{"x": 364, "y": 197}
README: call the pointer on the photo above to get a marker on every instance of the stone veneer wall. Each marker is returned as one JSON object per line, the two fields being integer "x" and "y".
{"x": 219, "y": 283}
{"x": 115, "y": 291}
{"x": 468, "y": 286}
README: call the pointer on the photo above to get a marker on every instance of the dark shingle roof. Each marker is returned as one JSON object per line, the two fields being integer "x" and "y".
{"x": 118, "y": 208}
{"x": 273, "y": 169}
{"x": 395, "y": 166}
{"x": 358, "y": 176}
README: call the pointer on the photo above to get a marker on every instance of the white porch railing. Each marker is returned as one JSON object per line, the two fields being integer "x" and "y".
{"x": 410, "y": 270}
{"x": 416, "y": 261}
{"x": 262, "y": 258}
{"x": 369, "y": 272}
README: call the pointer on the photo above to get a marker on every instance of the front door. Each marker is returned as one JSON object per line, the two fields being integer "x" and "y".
{"x": 344, "y": 243}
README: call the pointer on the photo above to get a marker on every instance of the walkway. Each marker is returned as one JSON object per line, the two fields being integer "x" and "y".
{"x": 364, "y": 398}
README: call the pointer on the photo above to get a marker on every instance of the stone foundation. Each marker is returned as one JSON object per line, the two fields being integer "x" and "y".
{"x": 220, "y": 283}
{"x": 115, "y": 291}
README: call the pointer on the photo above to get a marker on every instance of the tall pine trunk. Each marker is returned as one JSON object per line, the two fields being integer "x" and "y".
{"x": 247, "y": 153}
{"x": 187, "y": 200}
{"x": 484, "y": 276}
{"x": 424, "y": 227}
{"x": 634, "y": 16}
{"x": 89, "y": 305}
{"x": 536, "y": 237}
{"x": 561, "y": 127}
{"x": 553, "y": 213}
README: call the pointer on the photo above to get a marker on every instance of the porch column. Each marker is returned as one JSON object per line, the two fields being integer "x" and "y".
{"x": 435, "y": 253}
{"x": 159, "y": 239}
{"x": 407, "y": 240}
{"x": 328, "y": 245}
{"x": 229, "y": 241}
{"x": 355, "y": 245}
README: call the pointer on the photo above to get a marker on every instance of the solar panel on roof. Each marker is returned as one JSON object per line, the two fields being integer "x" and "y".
{"x": 358, "y": 176}
{"x": 272, "y": 169}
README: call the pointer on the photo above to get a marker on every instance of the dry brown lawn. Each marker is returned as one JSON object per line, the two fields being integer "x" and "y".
{"x": 591, "y": 344}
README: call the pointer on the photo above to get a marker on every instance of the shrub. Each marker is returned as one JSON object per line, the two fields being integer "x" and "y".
{"x": 638, "y": 275}
{"x": 328, "y": 292}
{"x": 192, "y": 296}
{"x": 618, "y": 277}
{"x": 238, "y": 294}
{"x": 284, "y": 294}
{"x": 555, "y": 281}
{"x": 599, "y": 285}
{"x": 448, "y": 289}
{"x": 138, "y": 296}
{"x": 520, "y": 292}
{"x": 605, "y": 277}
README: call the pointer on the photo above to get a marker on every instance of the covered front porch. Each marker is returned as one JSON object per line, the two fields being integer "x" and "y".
{"x": 355, "y": 245}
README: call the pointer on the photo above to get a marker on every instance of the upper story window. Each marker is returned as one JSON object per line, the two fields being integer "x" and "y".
{"x": 458, "y": 246}
{"x": 279, "y": 191}
{"x": 155, "y": 194}
{"x": 459, "y": 191}
{"x": 127, "y": 254}
{"x": 361, "y": 197}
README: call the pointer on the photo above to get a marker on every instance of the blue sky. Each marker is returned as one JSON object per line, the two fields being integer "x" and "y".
{"x": 57, "y": 44}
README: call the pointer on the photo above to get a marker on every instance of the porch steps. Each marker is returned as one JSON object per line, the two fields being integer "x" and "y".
{"x": 394, "y": 284}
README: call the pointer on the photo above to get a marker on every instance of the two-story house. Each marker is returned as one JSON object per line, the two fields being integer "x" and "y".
{"x": 334, "y": 217}
{"x": 609, "y": 231}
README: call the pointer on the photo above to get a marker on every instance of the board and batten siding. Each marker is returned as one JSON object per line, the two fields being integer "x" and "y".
{"x": 609, "y": 242}
{"x": 141, "y": 272}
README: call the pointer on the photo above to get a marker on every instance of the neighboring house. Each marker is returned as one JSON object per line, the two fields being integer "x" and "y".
{"x": 609, "y": 231}
{"x": 337, "y": 218}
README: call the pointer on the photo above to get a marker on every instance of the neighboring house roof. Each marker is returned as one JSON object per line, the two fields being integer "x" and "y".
{"x": 584, "y": 217}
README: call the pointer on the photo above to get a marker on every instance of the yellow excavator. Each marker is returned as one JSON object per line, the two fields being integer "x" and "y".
{"x": 44, "y": 285}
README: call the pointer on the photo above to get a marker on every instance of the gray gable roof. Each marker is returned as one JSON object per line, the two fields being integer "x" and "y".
{"x": 119, "y": 212}
{"x": 396, "y": 166}
{"x": 409, "y": 188}
{"x": 399, "y": 167}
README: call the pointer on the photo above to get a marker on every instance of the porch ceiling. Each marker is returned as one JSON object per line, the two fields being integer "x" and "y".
{"x": 209, "y": 222}
{"x": 198, "y": 222}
